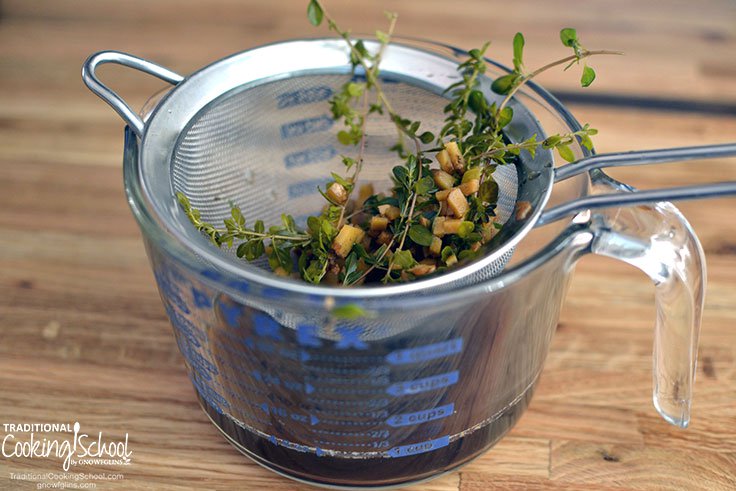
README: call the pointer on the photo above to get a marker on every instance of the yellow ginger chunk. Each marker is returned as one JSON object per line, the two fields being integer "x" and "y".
{"x": 346, "y": 239}
{"x": 443, "y": 179}
{"x": 452, "y": 225}
{"x": 389, "y": 211}
{"x": 488, "y": 231}
{"x": 457, "y": 203}
{"x": 469, "y": 187}
{"x": 337, "y": 193}
{"x": 438, "y": 226}
{"x": 425, "y": 267}
{"x": 378, "y": 224}
{"x": 435, "y": 248}
{"x": 442, "y": 195}
{"x": 384, "y": 238}
{"x": 444, "y": 160}
{"x": 523, "y": 209}
{"x": 456, "y": 157}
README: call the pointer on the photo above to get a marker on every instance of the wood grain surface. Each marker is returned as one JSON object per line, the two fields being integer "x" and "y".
{"x": 83, "y": 334}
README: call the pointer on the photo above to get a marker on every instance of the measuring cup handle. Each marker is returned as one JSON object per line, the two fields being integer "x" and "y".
{"x": 113, "y": 99}
{"x": 658, "y": 240}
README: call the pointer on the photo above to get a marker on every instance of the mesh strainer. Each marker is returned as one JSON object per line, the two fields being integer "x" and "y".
{"x": 254, "y": 129}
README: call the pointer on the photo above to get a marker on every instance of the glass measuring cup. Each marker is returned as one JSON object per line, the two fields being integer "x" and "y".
{"x": 360, "y": 391}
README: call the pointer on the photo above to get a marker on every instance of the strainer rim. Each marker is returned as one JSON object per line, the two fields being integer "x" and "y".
{"x": 424, "y": 287}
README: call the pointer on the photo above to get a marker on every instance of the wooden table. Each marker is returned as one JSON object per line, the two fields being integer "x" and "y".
{"x": 84, "y": 337}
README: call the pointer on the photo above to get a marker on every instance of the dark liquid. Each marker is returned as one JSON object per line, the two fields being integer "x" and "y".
{"x": 370, "y": 472}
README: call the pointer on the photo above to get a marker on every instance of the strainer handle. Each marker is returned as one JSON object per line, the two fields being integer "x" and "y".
{"x": 112, "y": 98}
{"x": 645, "y": 157}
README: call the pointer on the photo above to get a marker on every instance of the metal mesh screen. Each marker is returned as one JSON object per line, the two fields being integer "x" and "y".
{"x": 267, "y": 148}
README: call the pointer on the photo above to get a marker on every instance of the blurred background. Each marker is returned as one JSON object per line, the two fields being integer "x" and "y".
{"x": 82, "y": 331}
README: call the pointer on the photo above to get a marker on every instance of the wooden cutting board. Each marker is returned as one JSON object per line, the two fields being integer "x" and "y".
{"x": 83, "y": 334}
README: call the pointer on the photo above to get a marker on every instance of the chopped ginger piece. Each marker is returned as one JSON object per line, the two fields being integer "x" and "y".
{"x": 384, "y": 238}
{"x": 438, "y": 226}
{"x": 442, "y": 195}
{"x": 389, "y": 211}
{"x": 337, "y": 193}
{"x": 346, "y": 239}
{"x": 378, "y": 224}
{"x": 452, "y": 225}
{"x": 435, "y": 248}
{"x": 456, "y": 157}
{"x": 523, "y": 209}
{"x": 444, "y": 160}
{"x": 427, "y": 266}
{"x": 452, "y": 259}
{"x": 443, "y": 179}
{"x": 488, "y": 231}
{"x": 457, "y": 203}
{"x": 470, "y": 187}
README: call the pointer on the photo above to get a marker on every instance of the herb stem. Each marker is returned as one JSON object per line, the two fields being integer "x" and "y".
{"x": 374, "y": 265}
{"x": 370, "y": 73}
{"x": 576, "y": 57}
{"x": 359, "y": 160}
{"x": 242, "y": 233}
{"x": 407, "y": 225}
{"x": 504, "y": 149}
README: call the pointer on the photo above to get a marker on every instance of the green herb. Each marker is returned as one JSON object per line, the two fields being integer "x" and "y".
{"x": 349, "y": 311}
{"x": 447, "y": 215}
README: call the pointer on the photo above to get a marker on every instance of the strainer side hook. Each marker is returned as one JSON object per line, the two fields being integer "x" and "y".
{"x": 112, "y": 98}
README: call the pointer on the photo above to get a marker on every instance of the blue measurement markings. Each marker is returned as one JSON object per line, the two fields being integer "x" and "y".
{"x": 184, "y": 326}
{"x": 425, "y": 353}
{"x": 266, "y": 327}
{"x": 418, "y": 417}
{"x": 198, "y": 363}
{"x": 309, "y": 419}
{"x": 417, "y": 448}
{"x": 306, "y": 126}
{"x": 309, "y": 156}
{"x": 304, "y": 188}
{"x": 201, "y": 299}
{"x": 170, "y": 290}
{"x": 350, "y": 338}
{"x": 306, "y": 335}
{"x": 213, "y": 398}
{"x": 423, "y": 384}
{"x": 231, "y": 313}
{"x": 303, "y": 96}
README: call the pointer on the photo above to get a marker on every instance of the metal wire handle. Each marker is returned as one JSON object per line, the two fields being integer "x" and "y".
{"x": 639, "y": 197}
{"x": 112, "y": 98}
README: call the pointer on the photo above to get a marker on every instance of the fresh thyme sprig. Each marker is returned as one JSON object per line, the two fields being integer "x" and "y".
{"x": 509, "y": 84}
{"x": 408, "y": 198}
{"x": 282, "y": 239}
{"x": 433, "y": 218}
